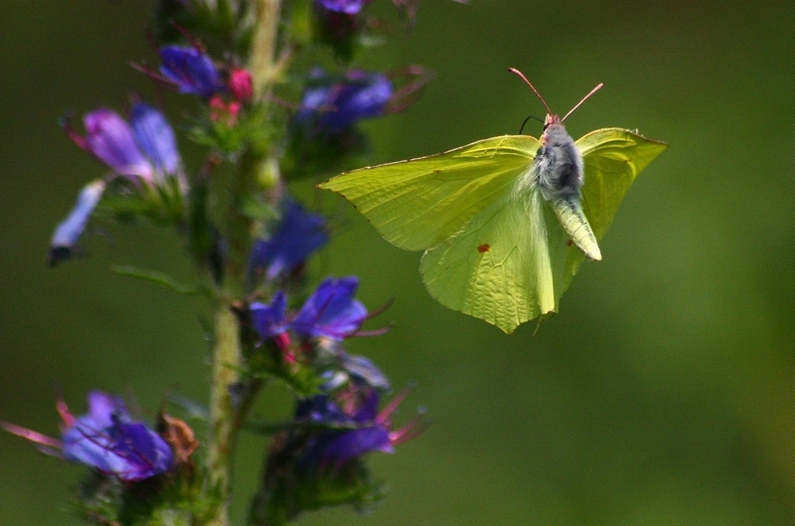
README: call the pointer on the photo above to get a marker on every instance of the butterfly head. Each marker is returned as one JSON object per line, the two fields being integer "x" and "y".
{"x": 552, "y": 120}
{"x": 554, "y": 131}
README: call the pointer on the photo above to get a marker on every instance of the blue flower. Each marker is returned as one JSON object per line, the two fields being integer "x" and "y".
{"x": 144, "y": 149}
{"x": 107, "y": 439}
{"x": 332, "y": 108}
{"x": 362, "y": 371}
{"x": 297, "y": 236}
{"x": 407, "y": 8}
{"x": 348, "y": 369}
{"x": 349, "y": 7}
{"x": 141, "y": 151}
{"x": 154, "y": 135}
{"x": 354, "y": 429}
{"x": 270, "y": 319}
{"x": 340, "y": 446}
{"x": 191, "y": 70}
{"x": 331, "y": 311}
{"x": 110, "y": 138}
{"x": 70, "y": 229}
{"x": 319, "y": 409}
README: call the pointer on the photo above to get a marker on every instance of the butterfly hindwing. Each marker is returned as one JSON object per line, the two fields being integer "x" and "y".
{"x": 505, "y": 267}
{"x": 613, "y": 158}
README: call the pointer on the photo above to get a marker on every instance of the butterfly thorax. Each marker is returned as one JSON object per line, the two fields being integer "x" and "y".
{"x": 558, "y": 167}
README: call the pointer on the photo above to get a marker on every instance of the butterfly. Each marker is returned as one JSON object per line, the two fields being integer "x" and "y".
{"x": 505, "y": 222}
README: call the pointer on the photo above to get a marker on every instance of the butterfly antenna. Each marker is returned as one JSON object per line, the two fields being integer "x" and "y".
{"x": 521, "y": 75}
{"x": 527, "y": 119}
{"x": 597, "y": 88}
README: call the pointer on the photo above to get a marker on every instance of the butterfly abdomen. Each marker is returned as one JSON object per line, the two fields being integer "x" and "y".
{"x": 574, "y": 222}
{"x": 558, "y": 173}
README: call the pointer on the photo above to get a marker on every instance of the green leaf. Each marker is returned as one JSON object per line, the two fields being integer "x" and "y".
{"x": 161, "y": 279}
{"x": 494, "y": 246}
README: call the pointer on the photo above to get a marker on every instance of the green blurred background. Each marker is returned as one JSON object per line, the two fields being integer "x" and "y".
{"x": 663, "y": 392}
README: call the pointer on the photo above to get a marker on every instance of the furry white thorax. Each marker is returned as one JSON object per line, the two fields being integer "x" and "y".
{"x": 557, "y": 170}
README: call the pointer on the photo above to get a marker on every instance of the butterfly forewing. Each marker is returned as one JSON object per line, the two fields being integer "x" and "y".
{"x": 418, "y": 203}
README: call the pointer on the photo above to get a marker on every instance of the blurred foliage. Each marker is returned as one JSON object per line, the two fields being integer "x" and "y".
{"x": 661, "y": 394}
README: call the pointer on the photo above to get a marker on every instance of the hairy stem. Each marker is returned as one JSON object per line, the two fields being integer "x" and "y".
{"x": 263, "y": 47}
{"x": 227, "y": 356}
{"x": 223, "y": 425}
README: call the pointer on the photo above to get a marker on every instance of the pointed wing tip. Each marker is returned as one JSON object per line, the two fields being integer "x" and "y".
{"x": 507, "y": 328}
{"x": 331, "y": 183}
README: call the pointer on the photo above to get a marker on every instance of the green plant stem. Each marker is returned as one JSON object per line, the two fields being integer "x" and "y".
{"x": 223, "y": 428}
{"x": 262, "y": 63}
{"x": 227, "y": 357}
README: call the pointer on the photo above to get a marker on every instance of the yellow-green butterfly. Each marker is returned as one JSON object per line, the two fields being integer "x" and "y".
{"x": 505, "y": 222}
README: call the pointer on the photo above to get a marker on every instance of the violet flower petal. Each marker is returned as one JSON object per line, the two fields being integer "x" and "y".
{"x": 349, "y": 7}
{"x": 155, "y": 137}
{"x": 110, "y": 138}
{"x": 320, "y": 409}
{"x": 269, "y": 319}
{"x": 193, "y": 71}
{"x": 298, "y": 235}
{"x": 336, "y": 446}
{"x": 109, "y": 441}
{"x": 331, "y": 311}
{"x": 363, "y": 371}
{"x": 104, "y": 409}
{"x": 339, "y": 447}
{"x": 333, "y": 108}
{"x": 70, "y": 229}
{"x": 363, "y": 97}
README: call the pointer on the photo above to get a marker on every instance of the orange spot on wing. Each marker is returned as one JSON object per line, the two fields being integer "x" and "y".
{"x": 485, "y": 247}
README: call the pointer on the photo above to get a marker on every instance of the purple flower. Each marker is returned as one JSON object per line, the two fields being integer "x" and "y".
{"x": 110, "y": 138}
{"x": 373, "y": 435}
{"x": 331, "y": 311}
{"x": 297, "y": 236}
{"x": 107, "y": 439}
{"x": 270, "y": 319}
{"x": 69, "y": 230}
{"x": 349, "y": 7}
{"x": 320, "y": 409}
{"x": 367, "y": 429}
{"x": 156, "y": 139}
{"x": 407, "y": 8}
{"x": 145, "y": 149}
{"x": 191, "y": 70}
{"x": 362, "y": 371}
{"x": 348, "y": 369}
{"x": 334, "y": 107}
